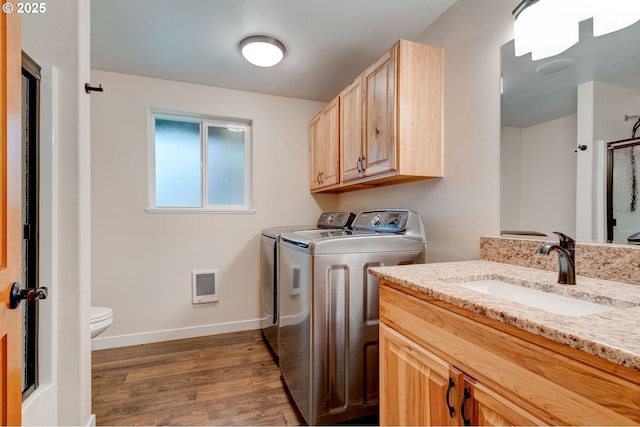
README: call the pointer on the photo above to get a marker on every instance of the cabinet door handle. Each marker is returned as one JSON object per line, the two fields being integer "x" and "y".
{"x": 452, "y": 410}
{"x": 466, "y": 396}
{"x": 360, "y": 164}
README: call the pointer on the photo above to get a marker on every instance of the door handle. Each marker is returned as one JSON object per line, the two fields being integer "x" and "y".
{"x": 452, "y": 410}
{"x": 466, "y": 396}
{"x": 18, "y": 294}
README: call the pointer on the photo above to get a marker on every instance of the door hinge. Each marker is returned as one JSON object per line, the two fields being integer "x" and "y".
{"x": 26, "y": 232}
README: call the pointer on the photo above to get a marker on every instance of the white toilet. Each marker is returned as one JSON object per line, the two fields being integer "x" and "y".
{"x": 101, "y": 319}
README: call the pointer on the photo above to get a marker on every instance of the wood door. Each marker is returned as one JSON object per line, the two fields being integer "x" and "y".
{"x": 351, "y": 131}
{"x": 413, "y": 382}
{"x": 10, "y": 218}
{"x": 380, "y": 115}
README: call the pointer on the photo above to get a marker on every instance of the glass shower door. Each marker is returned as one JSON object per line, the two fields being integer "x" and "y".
{"x": 623, "y": 191}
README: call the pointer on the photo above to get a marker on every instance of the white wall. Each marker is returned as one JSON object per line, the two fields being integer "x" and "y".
{"x": 142, "y": 262}
{"x": 130, "y": 245}
{"x": 58, "y": 39}
{"x": 465, "y": 204}
{"x": 546, "y": 174}
{"x": 612, "y": 103}
{"x": 511, "y": 178}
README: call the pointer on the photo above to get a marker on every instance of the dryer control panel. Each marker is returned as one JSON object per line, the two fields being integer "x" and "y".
{"x": 335, "y": 219}
{"x": 386, "y": 221}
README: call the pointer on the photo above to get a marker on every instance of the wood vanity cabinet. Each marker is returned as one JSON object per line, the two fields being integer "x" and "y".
{"x": 413, "y": 383}
{"x": 324, "y": 147}
{"x": 443, "y": 365}
{"x": 390, "y": 127}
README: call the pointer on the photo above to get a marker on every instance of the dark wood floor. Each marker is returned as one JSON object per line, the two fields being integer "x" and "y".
{"x": 227, "y": 379}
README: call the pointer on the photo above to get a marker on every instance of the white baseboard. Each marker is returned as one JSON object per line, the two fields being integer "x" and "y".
{"x": 101, "y": 343}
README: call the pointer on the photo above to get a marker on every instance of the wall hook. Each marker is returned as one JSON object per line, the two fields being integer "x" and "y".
{"x": 88, "y": 88}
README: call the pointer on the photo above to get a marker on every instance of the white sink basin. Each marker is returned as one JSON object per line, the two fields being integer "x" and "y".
{"x": 553, "y": 303}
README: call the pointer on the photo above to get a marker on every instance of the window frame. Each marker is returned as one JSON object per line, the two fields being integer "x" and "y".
{"x": 205, "y": 122}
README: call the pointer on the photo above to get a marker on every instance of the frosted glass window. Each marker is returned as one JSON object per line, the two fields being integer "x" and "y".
{"x": 177, "y": 155}
{"x": 200, "y": 163}
{"x": 225, "y": 166}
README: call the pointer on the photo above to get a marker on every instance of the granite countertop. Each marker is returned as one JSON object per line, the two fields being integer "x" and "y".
{"x": 612, "y": 335}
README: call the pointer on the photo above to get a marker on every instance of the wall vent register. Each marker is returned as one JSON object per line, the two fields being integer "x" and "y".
{"x": 204, "y": 285}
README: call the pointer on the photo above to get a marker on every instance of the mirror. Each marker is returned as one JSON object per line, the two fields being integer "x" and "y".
{"x": 557, "y": 116}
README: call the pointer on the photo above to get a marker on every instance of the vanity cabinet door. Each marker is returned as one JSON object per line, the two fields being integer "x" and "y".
{"x": 414, "y": 383}
{"x": 422, "y": 389}
{"x": 481, "y": 406}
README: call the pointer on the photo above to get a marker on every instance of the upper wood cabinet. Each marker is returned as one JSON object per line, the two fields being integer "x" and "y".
{"x": 324, "y": 147}
{"x": 390, "y": 120}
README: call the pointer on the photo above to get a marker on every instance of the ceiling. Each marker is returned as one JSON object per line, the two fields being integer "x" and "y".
{"x": 329, "y": 42}
{"x": 531, "y": 98}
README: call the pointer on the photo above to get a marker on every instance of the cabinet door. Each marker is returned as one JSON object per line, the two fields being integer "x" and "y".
{"x": 351, "y": 131}
{"x": 414, "y": 383}
{"x": 315, "y": 153}
{"x": 380, "y": 111}
{"x": 324, "y": 147}
{"x": 481, "y": 406}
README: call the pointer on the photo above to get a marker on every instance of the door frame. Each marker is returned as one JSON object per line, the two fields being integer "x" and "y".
{"x": 41, "y": 407}
{"x": 30, "y": 217}
{"x": 611, "y": 147}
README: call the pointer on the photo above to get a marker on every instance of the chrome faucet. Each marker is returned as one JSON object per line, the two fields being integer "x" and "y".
{"x": 566, "y": 257}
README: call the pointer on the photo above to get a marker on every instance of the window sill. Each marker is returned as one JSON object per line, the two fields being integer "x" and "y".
{"x": 198, "y": 211}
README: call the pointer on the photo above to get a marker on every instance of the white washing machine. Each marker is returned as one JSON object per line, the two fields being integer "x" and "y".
{"x": 329, "y": 315}
{"x": 269, "y": 272}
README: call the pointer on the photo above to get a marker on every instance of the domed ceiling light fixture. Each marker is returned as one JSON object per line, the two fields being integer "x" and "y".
{"x": 549, "y": 27}
{"x": 262, "y": 51}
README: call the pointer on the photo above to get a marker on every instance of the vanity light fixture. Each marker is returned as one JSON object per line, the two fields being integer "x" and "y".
{"x": 262, "y": 51}
{"x": 549, "y": 27}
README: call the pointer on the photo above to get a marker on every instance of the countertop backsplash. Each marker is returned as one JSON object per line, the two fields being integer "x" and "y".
{"x": 620, "y": 263}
